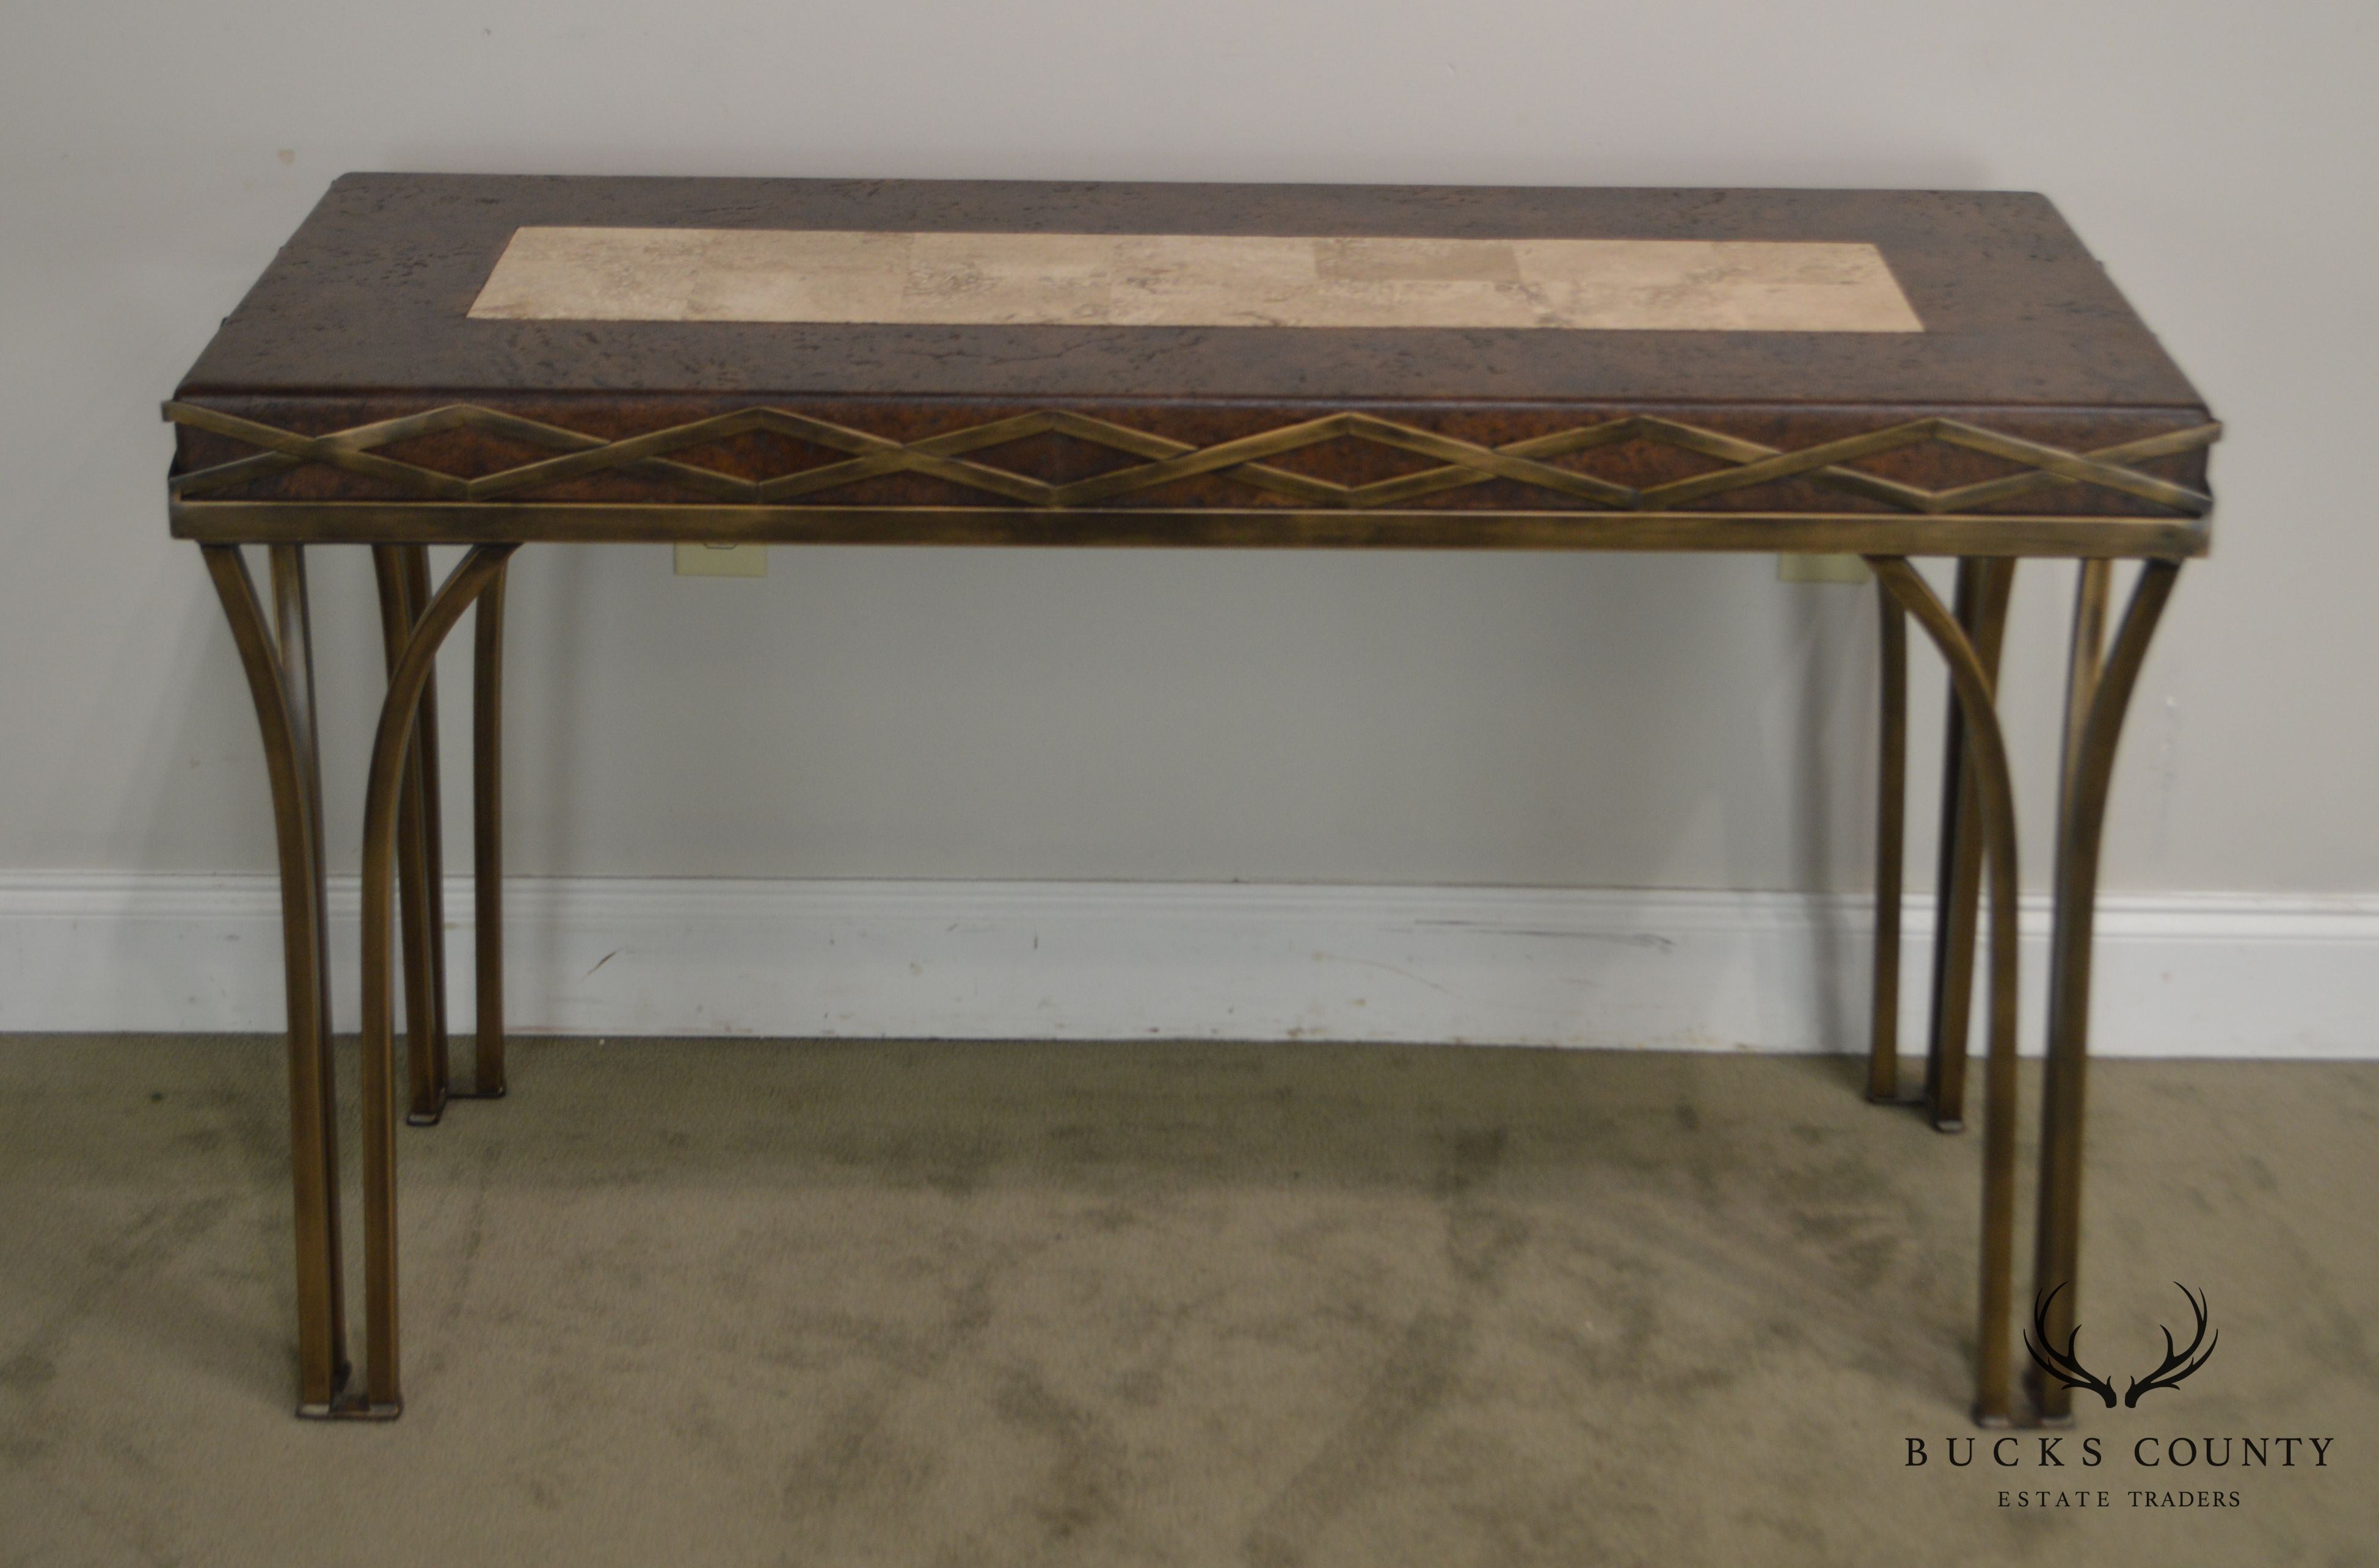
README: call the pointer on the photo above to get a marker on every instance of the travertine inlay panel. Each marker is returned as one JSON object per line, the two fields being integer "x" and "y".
{"x": 831, "y": 275}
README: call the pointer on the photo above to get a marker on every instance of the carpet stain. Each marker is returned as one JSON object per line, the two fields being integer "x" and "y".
{"x": 28, "y": 1372}
{"x": 1085, "y": 1483}
{"x": 1411, "y": 1385}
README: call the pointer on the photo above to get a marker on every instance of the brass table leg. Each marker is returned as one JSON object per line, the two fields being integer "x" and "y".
{"x": 2096, "y": 699}
{"x": 1994, "y": 799}
{"x": 403, "y": 573}
{"x": 1892, "y": 811}
{"x": 280, "y": 672}
{"x": 392, "y": 748}
{"x": 488, "y": 834}
{"x": 1982, "y": 599}
{"x": 432, "y": 836}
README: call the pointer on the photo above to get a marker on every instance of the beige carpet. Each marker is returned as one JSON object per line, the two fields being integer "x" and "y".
{"x": 1271, "y": 1305}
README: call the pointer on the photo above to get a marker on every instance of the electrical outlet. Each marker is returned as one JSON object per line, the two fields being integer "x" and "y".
{"x": 722, "y": 560}
{"x": 1817, "y": 569}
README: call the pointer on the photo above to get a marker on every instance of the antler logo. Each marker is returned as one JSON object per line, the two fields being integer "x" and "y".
{"x": 2061, "y": 1364}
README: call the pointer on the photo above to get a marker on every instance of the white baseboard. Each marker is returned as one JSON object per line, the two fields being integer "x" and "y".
{"x": 2221, "y": 976}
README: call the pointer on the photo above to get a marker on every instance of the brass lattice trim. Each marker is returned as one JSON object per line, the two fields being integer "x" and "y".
{"x": 942, "y": 457}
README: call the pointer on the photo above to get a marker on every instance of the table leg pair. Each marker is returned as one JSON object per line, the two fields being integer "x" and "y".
{"x": 1979, "y": 833}
{"x": 402, "y": 571}
{"x": 400, "y": 822}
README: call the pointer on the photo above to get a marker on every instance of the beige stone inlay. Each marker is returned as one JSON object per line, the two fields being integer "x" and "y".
{"x": 614, "y": 274}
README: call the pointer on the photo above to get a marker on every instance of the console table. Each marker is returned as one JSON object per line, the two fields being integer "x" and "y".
{"x": 493, "y": 362}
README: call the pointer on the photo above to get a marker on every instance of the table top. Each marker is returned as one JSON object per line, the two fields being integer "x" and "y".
{"x": 855, "y": 349}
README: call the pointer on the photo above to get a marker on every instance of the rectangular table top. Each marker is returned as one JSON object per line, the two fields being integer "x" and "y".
{"x": 467, "y": 357}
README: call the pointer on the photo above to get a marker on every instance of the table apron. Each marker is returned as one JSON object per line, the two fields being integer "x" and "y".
{"x": 461, "y": 523}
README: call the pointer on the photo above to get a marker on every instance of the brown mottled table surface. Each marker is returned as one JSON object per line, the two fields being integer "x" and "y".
{"x": 468, "y": 356}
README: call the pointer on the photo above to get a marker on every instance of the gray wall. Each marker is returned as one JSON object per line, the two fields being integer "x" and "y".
{"x": 1557, "y": 720}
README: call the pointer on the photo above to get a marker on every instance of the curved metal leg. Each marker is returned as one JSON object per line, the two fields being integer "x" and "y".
{"x": 1891, "y": 811}
{"x": 433, "y": 856}
{"x": 402, "y": 573}
{"x": 1982, "y": 589}
{"x": 2096, "y": 700}
{"x": 1993, "y": 798}
{"x": 281, "y": 679}
{"x": 390, "y": 748}
{"x": 488, "y": 834}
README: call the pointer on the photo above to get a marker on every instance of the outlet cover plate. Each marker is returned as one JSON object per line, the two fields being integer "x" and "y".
{"x": 722, "y": 560}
